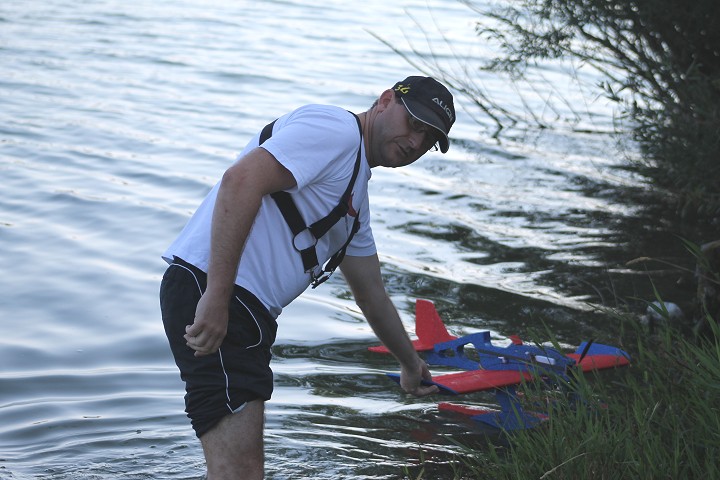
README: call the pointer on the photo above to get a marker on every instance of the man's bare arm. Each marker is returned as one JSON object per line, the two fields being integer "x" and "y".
{"x": 363, "y": 276}
{"x": 241, "y": 190}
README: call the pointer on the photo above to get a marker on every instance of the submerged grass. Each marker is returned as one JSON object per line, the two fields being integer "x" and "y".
{"x": 657, "y": 419}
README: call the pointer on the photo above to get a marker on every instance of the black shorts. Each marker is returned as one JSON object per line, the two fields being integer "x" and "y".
{"x": 221, "y": 383}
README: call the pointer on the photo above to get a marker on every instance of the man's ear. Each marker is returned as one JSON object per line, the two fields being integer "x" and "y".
{"x": 386, "y": 98}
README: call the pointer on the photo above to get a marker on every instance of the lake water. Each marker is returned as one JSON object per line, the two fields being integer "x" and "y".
{"x": 116, "y": 117}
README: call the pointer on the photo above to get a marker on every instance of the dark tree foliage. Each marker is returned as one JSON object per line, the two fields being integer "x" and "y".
{"x": 660, "y": 60}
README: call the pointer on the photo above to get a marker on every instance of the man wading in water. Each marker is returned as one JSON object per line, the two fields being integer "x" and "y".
{"x": 295, "y": 198}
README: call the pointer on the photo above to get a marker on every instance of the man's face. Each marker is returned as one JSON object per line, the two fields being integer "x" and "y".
{"x": 400, "y": 138}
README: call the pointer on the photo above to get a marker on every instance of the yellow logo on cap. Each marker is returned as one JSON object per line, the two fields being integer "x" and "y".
{"x": 402, "y": 88}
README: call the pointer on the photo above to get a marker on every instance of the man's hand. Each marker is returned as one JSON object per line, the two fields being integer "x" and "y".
{"x": 411, "y": 378}
{"x": 208, "y": 331}
{"x": 242, "y": 188}
{"x": 363, "y": 276}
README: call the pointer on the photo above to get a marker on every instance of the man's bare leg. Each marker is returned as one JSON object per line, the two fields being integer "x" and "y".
{"x": 234, "y": 447}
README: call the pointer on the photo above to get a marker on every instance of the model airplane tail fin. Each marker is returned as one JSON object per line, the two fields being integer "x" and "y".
{"x": 429, "y": 328}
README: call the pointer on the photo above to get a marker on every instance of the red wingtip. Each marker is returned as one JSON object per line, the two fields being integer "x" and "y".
{"x": 379, "y": 349}
{"x": 515, "y": 340}
{"x": 599, "y": 361}
{"x": 470, "y": 411}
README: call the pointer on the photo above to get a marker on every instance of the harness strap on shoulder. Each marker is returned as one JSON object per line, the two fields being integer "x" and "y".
{"x": 290, "y": 212}
{"x": 297, "y": 225}
{"x": 322, "y": 226}
{"x": 267, "y": 131}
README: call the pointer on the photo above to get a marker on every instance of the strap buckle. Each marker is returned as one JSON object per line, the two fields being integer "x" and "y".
{"x": 319, "y": 279}
{"x": 304, "y": 240}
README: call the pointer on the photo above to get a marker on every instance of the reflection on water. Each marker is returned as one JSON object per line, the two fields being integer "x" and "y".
{"x": 118, "y": 117}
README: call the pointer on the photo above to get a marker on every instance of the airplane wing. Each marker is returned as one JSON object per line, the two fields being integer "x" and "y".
{"x": 599, "y": 357}
{"x": 477, "y": 380}
{"x": 474, "y": 380}
{"x": 599, "y": 362}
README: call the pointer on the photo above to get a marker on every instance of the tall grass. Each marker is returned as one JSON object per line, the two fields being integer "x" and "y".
{"x": 657, "y": 419}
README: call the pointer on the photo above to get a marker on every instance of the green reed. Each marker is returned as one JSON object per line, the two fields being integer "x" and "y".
{"x": 657, "y": 419}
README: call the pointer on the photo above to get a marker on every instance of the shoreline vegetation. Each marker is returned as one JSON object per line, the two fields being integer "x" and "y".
{"x": 659, "y": 61}
{"x": 658, "y": 419}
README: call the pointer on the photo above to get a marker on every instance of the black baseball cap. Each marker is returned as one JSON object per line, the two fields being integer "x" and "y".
{"x": 430, "y": 102}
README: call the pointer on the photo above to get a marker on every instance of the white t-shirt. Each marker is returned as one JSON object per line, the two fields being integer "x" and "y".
{"x": 318, "y": 144}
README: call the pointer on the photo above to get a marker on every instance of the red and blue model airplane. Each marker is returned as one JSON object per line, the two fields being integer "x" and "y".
{"x": 491, "y": 367}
